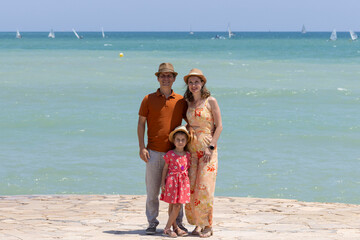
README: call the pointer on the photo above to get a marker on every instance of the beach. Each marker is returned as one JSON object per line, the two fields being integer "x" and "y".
{"x": 48, "y": 217}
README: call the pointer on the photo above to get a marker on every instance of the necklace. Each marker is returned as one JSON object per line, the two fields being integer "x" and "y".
{"x": 198, "y": 103}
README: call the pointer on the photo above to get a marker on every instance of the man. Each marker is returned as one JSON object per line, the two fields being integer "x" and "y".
{"x": 162, "y": 111}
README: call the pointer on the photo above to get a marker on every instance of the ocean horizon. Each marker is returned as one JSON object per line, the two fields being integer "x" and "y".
{"x": 289, "y": 104}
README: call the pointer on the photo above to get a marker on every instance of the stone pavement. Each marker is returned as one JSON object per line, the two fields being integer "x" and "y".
{"x": 123, "y": 217}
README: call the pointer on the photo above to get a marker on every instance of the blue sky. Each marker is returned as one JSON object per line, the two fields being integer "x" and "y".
{"x": 180, "y": 15}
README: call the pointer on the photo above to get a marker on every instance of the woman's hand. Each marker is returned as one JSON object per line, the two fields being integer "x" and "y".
{"x": 163, "y": 187}
{"x": 207, "y": 155}
{"x": 191, "y": 133}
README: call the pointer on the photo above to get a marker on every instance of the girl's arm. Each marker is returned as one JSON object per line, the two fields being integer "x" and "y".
{"x": 163, "y": 176}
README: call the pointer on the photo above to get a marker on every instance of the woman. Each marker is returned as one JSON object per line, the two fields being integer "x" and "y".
{"x": 204, "y": 118}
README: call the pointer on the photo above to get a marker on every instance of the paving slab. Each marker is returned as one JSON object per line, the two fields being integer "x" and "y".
{"x": 49, "y": 217}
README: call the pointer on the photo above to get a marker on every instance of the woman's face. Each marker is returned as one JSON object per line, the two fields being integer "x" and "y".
{"x": 195, "y": 84}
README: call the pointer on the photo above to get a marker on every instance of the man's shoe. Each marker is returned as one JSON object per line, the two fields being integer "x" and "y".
{"x": 181, "y": 226}
{"x": 151, "y": 230}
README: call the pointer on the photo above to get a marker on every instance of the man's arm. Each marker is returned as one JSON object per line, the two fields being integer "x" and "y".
{"x": 144, "y": 153}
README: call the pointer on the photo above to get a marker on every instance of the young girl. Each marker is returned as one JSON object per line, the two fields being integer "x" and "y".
{"x": 175, "y": 184}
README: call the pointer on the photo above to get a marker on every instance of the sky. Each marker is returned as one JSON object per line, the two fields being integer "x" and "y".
{"x": 180, "y": 15}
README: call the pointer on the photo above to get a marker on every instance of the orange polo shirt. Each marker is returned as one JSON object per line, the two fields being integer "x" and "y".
{"x": 162, "y": 116}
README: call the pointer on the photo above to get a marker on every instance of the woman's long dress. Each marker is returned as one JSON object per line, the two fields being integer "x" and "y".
{"x": 202, "y": 174}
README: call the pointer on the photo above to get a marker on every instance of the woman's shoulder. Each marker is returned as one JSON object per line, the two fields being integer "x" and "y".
{"x": 212, "y": 101}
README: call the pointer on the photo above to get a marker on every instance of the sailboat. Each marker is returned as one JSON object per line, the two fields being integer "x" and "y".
{"x": 51, "y": 34}
{"x": 333, "y": 36}
{"x": 18, "y": 35}
{"x": 353, "y": 35}
{"x": 77, "y": 35}
{"x": 102, "y": 32}
{"x": 303, "y": 30}
{"x": 229, "y": 31}
{"x": 191, "y": 31}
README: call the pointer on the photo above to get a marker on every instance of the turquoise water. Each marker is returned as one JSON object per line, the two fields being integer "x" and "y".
{"x": 289, "y": 102}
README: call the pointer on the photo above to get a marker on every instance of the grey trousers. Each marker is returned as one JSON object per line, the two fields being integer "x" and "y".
{"x": 154, "y": 168}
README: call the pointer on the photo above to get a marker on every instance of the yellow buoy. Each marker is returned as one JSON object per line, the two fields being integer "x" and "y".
{"x": 121, "y": 54}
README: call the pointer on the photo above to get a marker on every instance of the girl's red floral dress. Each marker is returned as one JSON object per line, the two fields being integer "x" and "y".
{"x": 177, "y": 183}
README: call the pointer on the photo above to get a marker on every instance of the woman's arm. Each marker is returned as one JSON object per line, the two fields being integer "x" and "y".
{"x": 217, "y": 120}
{"x": 218, "y": 128}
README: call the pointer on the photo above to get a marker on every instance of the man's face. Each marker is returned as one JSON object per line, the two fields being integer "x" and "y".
{"x": 166, "y": 79}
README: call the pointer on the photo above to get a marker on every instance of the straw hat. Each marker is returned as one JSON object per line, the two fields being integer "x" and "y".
{"x": 166, "y": 68}
{"x": 179, "y": 129}
{"x": 195, "y": 72}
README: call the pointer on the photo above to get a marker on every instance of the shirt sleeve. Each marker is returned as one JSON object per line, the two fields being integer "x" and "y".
{"x": 167, "y": 157}
{"x": 144, "y": 107}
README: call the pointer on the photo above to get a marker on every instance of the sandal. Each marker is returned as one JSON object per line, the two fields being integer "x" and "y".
{"x": 196, "y": 231}
{"x": 180, "y": 232}
{"x": 169, "y": 233}
{"x": 207, "y": 232}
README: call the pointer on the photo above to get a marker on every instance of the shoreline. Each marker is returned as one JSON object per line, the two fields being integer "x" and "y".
{"x": 123, "y": 217}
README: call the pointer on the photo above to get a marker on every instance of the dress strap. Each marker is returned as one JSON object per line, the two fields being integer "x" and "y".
{"x": 206, "y": 104}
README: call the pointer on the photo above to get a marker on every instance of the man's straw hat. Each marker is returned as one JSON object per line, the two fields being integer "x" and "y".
{"x": 166, "y": 68}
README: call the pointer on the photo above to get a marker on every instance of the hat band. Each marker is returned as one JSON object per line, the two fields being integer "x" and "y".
{"x": 166, "y": 70}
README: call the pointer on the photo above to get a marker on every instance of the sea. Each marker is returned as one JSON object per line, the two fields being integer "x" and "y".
{"x": 290, "y": 106}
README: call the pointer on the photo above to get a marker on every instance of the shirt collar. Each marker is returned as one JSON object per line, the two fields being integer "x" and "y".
{"x": 172, "y": 95}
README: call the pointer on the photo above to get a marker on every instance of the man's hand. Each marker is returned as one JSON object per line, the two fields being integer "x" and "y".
{"x": 144, "y": 154}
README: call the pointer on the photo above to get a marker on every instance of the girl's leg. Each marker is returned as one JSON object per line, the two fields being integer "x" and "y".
{"x": 170, "y": 209}
{"x": 174, "y": 210}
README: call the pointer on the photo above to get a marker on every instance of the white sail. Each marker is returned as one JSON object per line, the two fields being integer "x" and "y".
{"x": 229, "y": 31}
{"x": 333, "y": 36}
{"x": 102, "y": 32}
{"x": 51, "y": 34}
{"x": 77, "y": 35}
{"x": 18, "y": 35}
{"x": 191, "y": 31}
{"x": 303, "y": 30}
{"x": 353, "y": 35}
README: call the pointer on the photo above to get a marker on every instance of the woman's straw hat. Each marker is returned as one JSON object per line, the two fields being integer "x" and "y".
{"x": 195, "y": 72}
{"x": 179, "y": 129}
{"x": 166, "y": 68}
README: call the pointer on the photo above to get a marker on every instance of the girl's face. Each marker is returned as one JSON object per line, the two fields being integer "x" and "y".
{"x": 180, "y": 140}
{"x": 195, "y": 84}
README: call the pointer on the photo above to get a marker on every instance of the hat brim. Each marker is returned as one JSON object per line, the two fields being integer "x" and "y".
{"x": 157, "y": 73}
{"x": 202, "y": 77}
{"x": 171, "y": 135}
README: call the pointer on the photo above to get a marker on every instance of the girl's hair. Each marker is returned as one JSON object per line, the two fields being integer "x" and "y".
{"x": 205, "y": 93}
